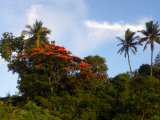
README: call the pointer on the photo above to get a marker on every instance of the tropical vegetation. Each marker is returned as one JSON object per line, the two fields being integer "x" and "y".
{"x": 54, "y": 85}
{"x": 152, "y": 34}
{"x": 128, "y": 44}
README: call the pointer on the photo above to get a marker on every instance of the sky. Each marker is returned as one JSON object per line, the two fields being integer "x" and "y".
{"x": 84, "y": 27}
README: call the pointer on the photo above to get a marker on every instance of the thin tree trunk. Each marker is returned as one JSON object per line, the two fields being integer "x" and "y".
{"x": 151, "y": 59}
{"x": 130, "y": 66}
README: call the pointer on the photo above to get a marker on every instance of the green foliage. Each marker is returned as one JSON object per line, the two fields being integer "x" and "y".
{"x": 10, "y": 44}
{"x": 128, "y": 44}
{"x": 98, "y": 63}
{"x": 151, "y": 35}
{"x": 120, "y": 80}
{"x": 145, "y": 96}
{"x": 119, "y": 101}
{"x": 155, "y": 118}
{"x": 83, "y": 105}
{"x": 157, "y": 61}
{"x": 124, "y": 116}
{"x": 38, "y": 34}
{"x": 121, "y": 92}
{"x": 135, "y": 97}
{"x": 145, "y": 69}
{"x": 126, "y": 98}
{"x": 29, "y": 111}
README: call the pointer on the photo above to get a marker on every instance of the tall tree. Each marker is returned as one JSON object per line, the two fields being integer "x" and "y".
{"x": 151, "y": 35}
{"x": 157, "y": 61}
{"x": 37, "y": 35}
{"x": 128, "y": 43}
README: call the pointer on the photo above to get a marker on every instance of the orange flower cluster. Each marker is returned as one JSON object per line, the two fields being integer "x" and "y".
{"x": 65, "y": 68}
{"x": 39, "y": 59}
{"x": 60, "y": 52}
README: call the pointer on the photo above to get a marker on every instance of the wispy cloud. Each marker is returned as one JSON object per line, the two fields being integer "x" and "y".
{"x": 99, "y": 33}
{"x": 32, "y": 13}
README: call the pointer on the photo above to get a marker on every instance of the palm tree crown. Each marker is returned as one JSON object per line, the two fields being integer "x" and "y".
{"x": 38, "y": 35}
{"x": 151, "y": 34}
{"x": 128, "y": 43}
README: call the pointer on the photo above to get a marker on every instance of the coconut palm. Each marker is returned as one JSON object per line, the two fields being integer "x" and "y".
{"x": 37, "y": 35}
{"x": 128, "y": 43}
{"x": 151, "y": 35}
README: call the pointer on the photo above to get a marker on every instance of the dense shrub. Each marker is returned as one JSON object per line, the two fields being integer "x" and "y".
{"x": 29, "y": 112}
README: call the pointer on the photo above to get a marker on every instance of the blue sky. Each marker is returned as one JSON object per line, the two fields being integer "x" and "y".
{"x": 84, "y": 27}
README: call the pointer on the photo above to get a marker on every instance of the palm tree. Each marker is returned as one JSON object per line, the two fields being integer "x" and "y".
{"x": 128, "y": 43}
{"x": 38, "y": 35}
{"x": 151, "y": 34}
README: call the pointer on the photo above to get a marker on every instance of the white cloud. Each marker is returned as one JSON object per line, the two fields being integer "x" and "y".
{"x": 32, "y": 14}
{"x": 115, "y": 26}
{"x": 100, "y": 33}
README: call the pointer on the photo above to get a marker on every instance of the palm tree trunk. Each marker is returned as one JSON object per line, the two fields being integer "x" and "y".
{"x": 37, "y": 41}
{"x": 151, "y": 59}
{"x": 130, "y": 66}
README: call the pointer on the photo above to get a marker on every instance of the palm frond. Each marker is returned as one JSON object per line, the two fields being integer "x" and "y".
{"x": 37, "y": 27}
{"x": 135, "y": 48}
{"x": 42, "y": 30}
{"x": 24, "y": 32}
{"x": 133, "y": 51}
{"x": 120, "y": 39}
{"x": 128, "y": 42}
{"x": 145, "y": 45}
{"x": 134, "y": 38}
{"x": 145, "y": 33}
{"x": 28, "y": 41}
{"x": 37, "y": 32}
{"x": 47, "y": 31}
{"x": 143, "y": 39}
{"x": 125, "y": 54}
{"x": 122, "y": 49}
{"x": 157, "y": 40}
{"x": 130, "y": 36}
{"x": 28, "y": 26}
{"x": 45, "y": 41}
{"x": 120, "y": 44}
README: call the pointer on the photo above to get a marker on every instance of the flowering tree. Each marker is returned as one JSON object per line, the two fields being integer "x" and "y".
{"x": 58, "y": 62}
